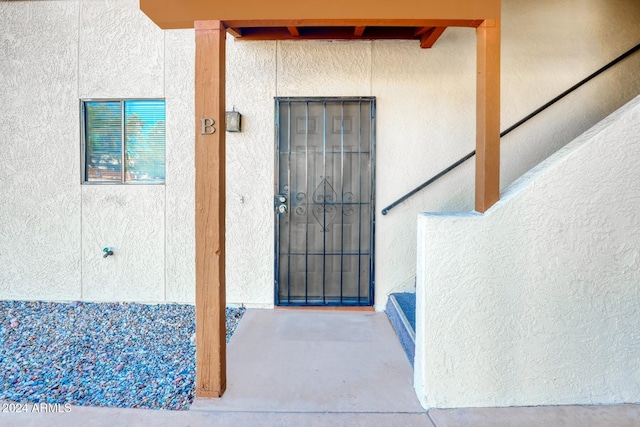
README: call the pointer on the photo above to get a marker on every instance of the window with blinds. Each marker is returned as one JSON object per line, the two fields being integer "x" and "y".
{"x": 123, "y": 141}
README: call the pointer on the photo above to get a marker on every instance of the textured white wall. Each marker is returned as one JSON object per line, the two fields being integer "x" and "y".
{"x": 425, "y": 121}
{"x": 324, "y": 68}
{"x": 53, "y": 228}
{"x": 39, "y": 151}
{"x": 550, "y": 47}
{"x": 121, "y": 51}
{"x": 251, "y": 86}
{"x": 536, "y": 302}
{"x": 131, "y": 220}
{"x": 121, "y": 61}
{"x": 180, "y": 243}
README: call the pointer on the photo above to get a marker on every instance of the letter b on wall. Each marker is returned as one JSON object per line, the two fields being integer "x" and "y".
{"x": 207, "y": 126}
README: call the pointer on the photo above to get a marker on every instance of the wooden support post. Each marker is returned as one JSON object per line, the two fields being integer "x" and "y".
{"x": 488, "y": 115}
{"x": 210, "y": 209}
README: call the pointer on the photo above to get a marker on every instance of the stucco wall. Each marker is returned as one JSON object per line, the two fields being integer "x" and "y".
{"x": 536, "y": 302}
{"x": 52, "y": 227}
{"x": 40, "y": 203}
{"x": 251, "y": 86}
{"x": 55, "y": 53}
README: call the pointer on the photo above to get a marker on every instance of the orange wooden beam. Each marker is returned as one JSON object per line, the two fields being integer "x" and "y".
{"x": 359, "y": 30}
{"x": 429, "y": 38}
{"x": 169, "y": 14}
{"x": 293, "y": 31}
{"x": 488, "y": 115}
{"x": 210, "y": 208}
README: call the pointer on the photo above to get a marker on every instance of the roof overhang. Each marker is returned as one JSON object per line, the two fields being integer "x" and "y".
{"x": 424, "y": 20}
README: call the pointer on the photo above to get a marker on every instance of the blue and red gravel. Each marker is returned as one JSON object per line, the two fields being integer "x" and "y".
{"x": 100, "y": 354}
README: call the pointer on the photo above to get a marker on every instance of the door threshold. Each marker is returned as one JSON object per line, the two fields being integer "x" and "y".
{"x": 365, "y": 309}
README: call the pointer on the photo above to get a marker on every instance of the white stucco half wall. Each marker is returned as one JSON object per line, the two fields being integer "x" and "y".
{"x": 537, "y": 301}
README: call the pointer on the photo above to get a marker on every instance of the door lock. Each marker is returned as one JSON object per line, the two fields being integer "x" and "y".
{"x": 281, "y": 205}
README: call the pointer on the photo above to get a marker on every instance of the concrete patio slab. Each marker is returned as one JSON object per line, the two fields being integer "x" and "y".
{"x": 111, "y": 417}
{"x": 552, "y": 416}
{"x": 315, "y": 361}
{"x": 288, "y": 368}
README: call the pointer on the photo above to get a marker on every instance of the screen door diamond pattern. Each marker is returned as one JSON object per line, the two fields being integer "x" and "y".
{"x": 324, "y": 201}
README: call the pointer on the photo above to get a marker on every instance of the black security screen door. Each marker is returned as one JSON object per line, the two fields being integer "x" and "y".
{"x": 324, "y": 201}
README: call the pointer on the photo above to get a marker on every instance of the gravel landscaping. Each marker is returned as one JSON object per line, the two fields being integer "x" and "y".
{"x": 100, "y": 354}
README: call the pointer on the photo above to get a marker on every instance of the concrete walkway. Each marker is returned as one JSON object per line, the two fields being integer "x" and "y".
{"x": 319, "y": 368}
{"x": 316, "y": 361}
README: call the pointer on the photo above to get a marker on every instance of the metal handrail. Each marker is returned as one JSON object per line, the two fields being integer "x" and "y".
{"x": 513, "y": 127}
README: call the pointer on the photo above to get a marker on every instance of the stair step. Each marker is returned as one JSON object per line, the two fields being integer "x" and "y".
{"x": 401, "y": 310}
